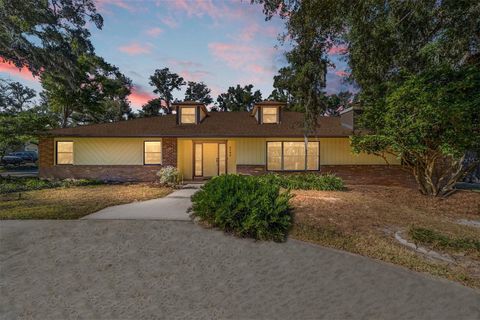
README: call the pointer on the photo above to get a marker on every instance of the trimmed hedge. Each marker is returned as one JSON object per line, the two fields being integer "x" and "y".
{"x": 306, "y": 181}
{"x": 11, "y": 184}
{"x": 244, "y": 205}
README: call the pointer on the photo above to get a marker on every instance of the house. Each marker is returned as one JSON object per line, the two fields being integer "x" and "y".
{"x": 201, "y": 144}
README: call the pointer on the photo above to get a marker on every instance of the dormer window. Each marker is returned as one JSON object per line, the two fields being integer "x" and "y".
{"x": 190, "y": 112}
{"x": 188, "y": 115}
{"x": 266, "y": 112}
{"x": 270, "y": 115}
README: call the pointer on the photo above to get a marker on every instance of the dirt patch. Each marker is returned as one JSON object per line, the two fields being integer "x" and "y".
{"x": 364, "y": 219}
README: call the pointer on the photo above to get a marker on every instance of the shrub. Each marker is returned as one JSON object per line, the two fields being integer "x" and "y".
{"x": 12, "y": 184}
{"x": 169, "y": 176}
{"x": 306, "y": 181}
{"x": 245, "y": 205}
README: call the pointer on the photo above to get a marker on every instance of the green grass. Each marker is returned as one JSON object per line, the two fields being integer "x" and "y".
{"x": 438, "y": 240}
{"x": 16, "y": 184}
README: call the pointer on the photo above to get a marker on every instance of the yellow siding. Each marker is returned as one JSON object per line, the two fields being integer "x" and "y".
{"x": 185, "y": 158}
{"x": 337, "y": 151}
{"x": 107, "y": 151}
{"x": 231, "y": 156}
{"x": 250, "y": 151}
{"x": 333, "y": 151}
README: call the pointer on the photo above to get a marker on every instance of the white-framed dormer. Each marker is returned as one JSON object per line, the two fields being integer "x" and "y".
{"x": 268, "y": 112}
{"x": 190, "y": 112}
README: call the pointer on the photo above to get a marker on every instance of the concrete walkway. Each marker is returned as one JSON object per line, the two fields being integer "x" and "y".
{"x": 172, "y": 207}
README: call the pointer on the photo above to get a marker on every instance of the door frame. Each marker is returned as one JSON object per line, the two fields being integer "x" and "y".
{"x": 218, "y": 142}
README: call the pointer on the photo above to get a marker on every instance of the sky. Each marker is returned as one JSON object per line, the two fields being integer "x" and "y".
{"x": 222, "y": 43}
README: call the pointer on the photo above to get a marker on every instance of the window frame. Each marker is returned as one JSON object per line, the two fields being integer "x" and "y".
{"x": 56, "y": 153}
{"x": 282, "y": 156}
{"x": 145, "y": 151}
{"x": 277, "y": 115}
{"x": 194, "y": 115}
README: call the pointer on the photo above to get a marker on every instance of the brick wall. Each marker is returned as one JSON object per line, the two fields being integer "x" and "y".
{"x": 46, "y": 149}
{"x": 101, "y": 172}
{"x": 169, "y": 151}
{"x": 250, "y": 169}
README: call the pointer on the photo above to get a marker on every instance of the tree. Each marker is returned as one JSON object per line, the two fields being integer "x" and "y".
{"x": 431, "y": 120}
{"x": 165, "y": 82}
{"x": 386, "y": 43}
{"x": 199, "y": 92}
{"x": 337, "y": 102}
{"x": 47, "y": 35}
{"x": 99, "y": 93}
{"x": 239, "y": 98}
{"x": 20, "y": 118}
{"x": 151, "y": 108}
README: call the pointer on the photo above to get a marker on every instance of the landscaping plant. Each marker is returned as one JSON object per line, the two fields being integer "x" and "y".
{"x": 169, "y": 176}
{"x": 306, "y": 181}
{"x": 245, "y": 205}
{"x": 11, "y": 184}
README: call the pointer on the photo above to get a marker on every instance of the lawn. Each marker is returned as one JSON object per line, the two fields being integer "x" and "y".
{"x": 73, "y": 202}
{"x": 365, "y": 218}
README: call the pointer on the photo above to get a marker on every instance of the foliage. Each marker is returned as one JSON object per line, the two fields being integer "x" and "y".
{"x": 11, "y": 184}
{"x": 245, "y": 205}
{"x": 441, "y": 241}
{"x": 239, "y": 98}
{"x": 431, "y": 120}
{"x": 199, "y": 92}
{"x": 169, "y": 176}
{"x": 305, "y": 181}
{"x": 99, "y": 93}
{"x": 165, "y": 82}
{"x": 20, "y": 118}
{"x": 47, "y": 35}
{"x": 151, "y": 108}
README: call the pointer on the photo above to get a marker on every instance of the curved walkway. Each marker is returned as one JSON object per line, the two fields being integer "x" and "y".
{"x": 165, "y": 269}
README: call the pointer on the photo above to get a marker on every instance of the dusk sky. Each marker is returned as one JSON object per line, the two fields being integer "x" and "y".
{"x": 222, "y": 43}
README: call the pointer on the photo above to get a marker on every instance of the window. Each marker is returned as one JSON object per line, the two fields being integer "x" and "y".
{"x": 188, "y": 115}
{"x": 292, "y": 156}
{"x": 64, "y": 152}
{"x": 269, "y": 115}
{"x": 198, "y": 159}
{"x": 152, "y": 152}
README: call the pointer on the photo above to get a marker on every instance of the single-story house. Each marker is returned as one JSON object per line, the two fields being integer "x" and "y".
{"x": 201, "y": 144}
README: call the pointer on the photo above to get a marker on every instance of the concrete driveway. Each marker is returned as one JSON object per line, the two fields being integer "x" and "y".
{"x": 172, "y": 207}
{"x": 91, "y": 269}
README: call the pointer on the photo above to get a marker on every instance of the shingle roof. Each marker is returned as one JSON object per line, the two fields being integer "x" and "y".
{"x": 217, "y": 124}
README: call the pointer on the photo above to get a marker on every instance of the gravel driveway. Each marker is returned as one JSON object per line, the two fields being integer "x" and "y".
{"x": 166, "y": 269}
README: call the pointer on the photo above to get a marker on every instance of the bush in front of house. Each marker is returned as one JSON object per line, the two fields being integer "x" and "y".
{"x": 169, "y": 176}
{"x": 19, "y": 184}
{"x": 306, "y": 181}
{"x": 244, "y": 205}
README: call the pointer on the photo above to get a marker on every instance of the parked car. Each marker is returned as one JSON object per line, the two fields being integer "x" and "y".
{"x": 12, "y": 160}
{"x": 27, "y": 156}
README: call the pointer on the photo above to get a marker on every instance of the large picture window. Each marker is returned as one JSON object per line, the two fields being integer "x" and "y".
{"x": 152, "y": 152}
{"x": 64, "y": 152}
{"x": 188, "y": 115}
{"x": 292, "y": 156}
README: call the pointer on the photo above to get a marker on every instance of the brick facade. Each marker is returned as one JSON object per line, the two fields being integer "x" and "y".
{"x": 250, "y": 169}
{"x": 48, "y": 169}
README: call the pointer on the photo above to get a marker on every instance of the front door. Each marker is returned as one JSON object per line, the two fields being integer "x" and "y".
{"x": 210, "y": 159}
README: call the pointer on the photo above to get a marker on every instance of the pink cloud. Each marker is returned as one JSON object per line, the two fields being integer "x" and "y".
{"x": 139, "y": 96}
{"x": 238, "y": 55}
{"x": 135, "y": 48}
{"x": 170, "y": 22}
{"x": 102, "y": 4}
{"x": 11, "y": 69}
{"x": 253, "y": 30}
{"x": 340, "y": 49}
{"x": 184, "y": 63}
{"x": 342, "y": 73}
{"x": 197, "y": 75}
{"x": 154, "y": 32}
